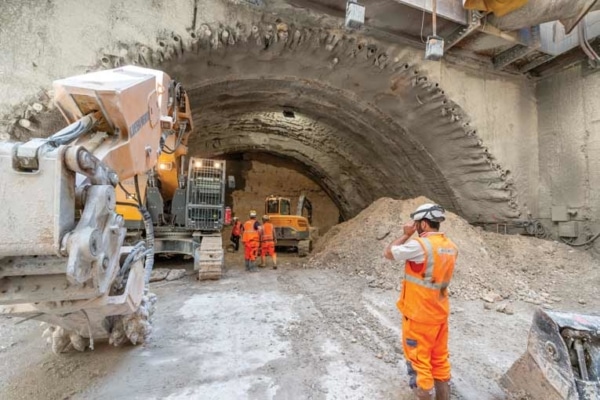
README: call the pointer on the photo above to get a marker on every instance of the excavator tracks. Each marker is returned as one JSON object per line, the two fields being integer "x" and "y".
{"x": 304, "y": 247}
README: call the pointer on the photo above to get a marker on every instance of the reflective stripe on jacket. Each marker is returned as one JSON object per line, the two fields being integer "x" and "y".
{"x": 267, "y": 232}
{"x": 249, "y": 233}
{"x": 424, "y": 296}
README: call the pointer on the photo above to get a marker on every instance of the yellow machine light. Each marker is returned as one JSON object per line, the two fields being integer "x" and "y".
{"x": 217, "y": 165}
{"x": 198, "y": 164}
{"x": 165, "y": 166}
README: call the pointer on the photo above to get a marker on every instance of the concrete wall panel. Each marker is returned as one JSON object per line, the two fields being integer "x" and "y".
{"x": 567, "y": 111}
{"x": 504, "y": 111}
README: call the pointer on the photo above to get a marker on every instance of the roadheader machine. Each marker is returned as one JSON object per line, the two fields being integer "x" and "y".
{"x": 85, "y": 209}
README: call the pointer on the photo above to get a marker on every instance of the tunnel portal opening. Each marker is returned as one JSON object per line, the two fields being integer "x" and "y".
{"x": 355, "y": 153}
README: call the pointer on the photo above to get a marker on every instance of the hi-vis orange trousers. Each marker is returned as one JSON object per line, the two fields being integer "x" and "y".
{"x": 251, "y": 250}
{"x": 426, "y": 352}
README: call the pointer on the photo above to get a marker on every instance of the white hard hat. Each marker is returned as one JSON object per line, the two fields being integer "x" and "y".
{"x": 265, "y": 217}
{"x": 432, "y": 212}
{"x": 252, "y": 214}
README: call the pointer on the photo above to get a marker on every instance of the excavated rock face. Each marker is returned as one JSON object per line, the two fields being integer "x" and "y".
{"x": 359, "y": 114}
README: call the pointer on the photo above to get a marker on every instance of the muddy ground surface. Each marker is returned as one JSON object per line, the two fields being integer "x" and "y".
{"x": 291, "y": 333}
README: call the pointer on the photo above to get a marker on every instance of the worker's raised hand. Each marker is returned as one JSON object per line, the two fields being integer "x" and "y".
{"x": 409, "y": 228}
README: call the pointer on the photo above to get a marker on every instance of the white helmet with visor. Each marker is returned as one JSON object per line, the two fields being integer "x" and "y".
{"x": 432, "y": 212}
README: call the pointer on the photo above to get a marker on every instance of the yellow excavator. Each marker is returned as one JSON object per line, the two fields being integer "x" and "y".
{"x": 86, "y": 209}
{"x": 291, "y": 230}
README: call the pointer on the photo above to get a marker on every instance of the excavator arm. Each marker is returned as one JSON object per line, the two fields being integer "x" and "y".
{"x": 304, "y": 204}
{"x": 62, "y": 258}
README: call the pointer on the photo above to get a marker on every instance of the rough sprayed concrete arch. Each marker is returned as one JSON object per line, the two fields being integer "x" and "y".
{"x": 374, "y": 124}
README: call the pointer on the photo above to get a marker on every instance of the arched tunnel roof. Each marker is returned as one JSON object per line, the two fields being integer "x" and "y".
{"x": 347, "y": 146}
{"x": 366, "y": 124}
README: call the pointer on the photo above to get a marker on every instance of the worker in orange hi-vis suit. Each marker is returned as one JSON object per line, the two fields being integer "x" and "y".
{"x": 267, "y": 242}
{"x": 250, "y": 239}
{"x": 236, "y": 233}
{"x": 429, "y": 264}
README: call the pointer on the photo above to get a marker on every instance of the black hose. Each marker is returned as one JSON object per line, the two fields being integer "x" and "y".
{"x": 128, "y": 194}
{"x": 72, "y": 131}
{"x": 589, "y": 241}
{"x": 137, "y": 190}
{"x": 121, "y": 203}
{"x": 148, "y": 225}
{"x": 138, "y": 250}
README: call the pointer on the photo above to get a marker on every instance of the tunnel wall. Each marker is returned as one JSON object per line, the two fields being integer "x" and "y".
{"x": 569, "y": 121}
{"x": 504, "y": 110}
{"x": 62, "y": 38}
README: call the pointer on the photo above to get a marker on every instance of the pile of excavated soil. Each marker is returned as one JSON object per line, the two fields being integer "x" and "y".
{"x": 490, "y": 266}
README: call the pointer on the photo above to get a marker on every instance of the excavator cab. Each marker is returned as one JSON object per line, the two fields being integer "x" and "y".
{"x": 562, "y": 361}
{"x": 290, "y": 230}
{"x": 277, "y": 206}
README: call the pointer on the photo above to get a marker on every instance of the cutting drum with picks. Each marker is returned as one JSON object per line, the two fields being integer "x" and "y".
{"x": 71, "y": 200}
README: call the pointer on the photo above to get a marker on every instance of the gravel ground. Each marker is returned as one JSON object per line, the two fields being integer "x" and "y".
{"x": 291, "y": 333}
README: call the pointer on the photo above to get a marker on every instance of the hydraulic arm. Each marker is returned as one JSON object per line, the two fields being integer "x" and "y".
{"x": 62, "y": 258}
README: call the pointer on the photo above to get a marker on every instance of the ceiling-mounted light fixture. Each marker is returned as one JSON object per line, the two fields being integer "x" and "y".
{"x": 355, "y": 14}
{"x": 435, "y": 44}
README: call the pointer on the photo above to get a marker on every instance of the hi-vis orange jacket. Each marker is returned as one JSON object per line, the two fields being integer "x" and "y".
{"x": 237, "y": 228}
{"x": 424, "y": 296}
{"x": 249, "y": 233}
{"x": 267, "y": 233}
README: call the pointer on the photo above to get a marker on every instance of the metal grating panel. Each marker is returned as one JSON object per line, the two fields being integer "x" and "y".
{"x": 205, "y": 194}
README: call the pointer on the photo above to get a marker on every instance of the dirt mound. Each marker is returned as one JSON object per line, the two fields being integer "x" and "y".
{"x": 490, "y": 265}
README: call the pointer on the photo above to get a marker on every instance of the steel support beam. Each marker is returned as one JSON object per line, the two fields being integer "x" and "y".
{"x": 536, "y": 63}
{"x": 531, "y": 36}
{"x": 511, "y": 55}
{"x": 448, "y": 9}
{"x": 463, "y": 31}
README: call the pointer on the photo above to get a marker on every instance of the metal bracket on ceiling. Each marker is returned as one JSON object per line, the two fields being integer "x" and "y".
{"x": 462, "y": 32}
{"x": 511, "y": 55}
{"x": 543, "y": 59}
{"x": 519, "y": 51}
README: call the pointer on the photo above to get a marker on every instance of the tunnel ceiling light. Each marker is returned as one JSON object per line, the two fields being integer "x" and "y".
{"x": 435, "y": 48}
{"x": 355, "y": 15}
{"x": 435, "y": 44}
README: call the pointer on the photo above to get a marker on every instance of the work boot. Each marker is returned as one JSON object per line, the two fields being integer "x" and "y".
{"x": 274, "y": 266}
{"x": 423, "y": 394}
{"x": 247, "y": 263}
{"x": 442, "y": 390}
{"x": 253, "y": 267}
